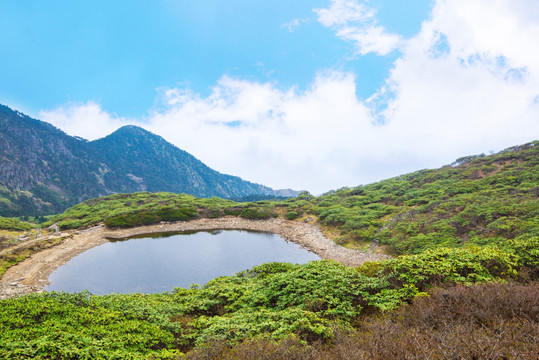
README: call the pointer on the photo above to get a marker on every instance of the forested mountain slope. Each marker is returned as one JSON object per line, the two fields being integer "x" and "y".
{"x": 43, "y": 170}
{"x": 142, "y": 161}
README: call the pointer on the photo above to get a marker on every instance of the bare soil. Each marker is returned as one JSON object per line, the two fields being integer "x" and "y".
{"x": 31, "y": 275}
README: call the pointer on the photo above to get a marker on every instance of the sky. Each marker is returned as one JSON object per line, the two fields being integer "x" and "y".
{"x": 310, "y": 95}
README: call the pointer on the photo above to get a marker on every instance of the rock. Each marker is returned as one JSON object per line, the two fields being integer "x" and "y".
{"x": 54, "y": 227}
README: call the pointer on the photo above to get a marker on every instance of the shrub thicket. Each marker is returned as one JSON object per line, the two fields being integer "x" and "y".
{"x": 481, "y": 201}
{"x": 14, "y": 224}
{"x": 493, "y": 321}
{"x": 313, "y": 304}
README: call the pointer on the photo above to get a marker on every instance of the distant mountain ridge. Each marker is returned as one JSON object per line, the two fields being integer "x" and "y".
{"x": 43, "y": 170}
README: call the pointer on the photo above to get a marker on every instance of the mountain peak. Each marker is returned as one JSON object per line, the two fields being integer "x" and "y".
{"x": 132, "y": 130}
{"x": 52, "y": 170}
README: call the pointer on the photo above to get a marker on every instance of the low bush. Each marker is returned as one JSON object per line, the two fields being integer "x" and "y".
{"x": 292, "y": 215}
{"x": 256, "y": 212}
{"x": 14, "y": 224}
{"x": 234, "y": 211}
{"x": 322, "y": 305}
{"x": 151, "y": 217}
{"x": 143, "y": 208}
{"x": 491, "y": 321}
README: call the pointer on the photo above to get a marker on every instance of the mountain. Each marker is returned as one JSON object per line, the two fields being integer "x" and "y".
{"x": 143, "y": 161}
{"x": 43, "y": 170}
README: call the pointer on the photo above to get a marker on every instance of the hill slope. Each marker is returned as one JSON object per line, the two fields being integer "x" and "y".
{"x": 474, "y": 201}
{"x": 43, "y": 170}
{"x": 478, "y": 200}
{"x": 339, "y": 312}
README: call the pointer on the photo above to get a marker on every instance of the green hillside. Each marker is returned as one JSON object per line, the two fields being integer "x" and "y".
{"x": 478, "y": 200}
{"x": 319, "y": 305}
{"x": 466, "y": 286}
{"x": 475, "y": 201}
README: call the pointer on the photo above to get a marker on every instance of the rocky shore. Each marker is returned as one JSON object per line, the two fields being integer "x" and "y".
{"x": 31, "y": 275}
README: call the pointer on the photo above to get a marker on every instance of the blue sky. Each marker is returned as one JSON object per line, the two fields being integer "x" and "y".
{"x": 68, "y": 51}
{"x": 306, "y": 94}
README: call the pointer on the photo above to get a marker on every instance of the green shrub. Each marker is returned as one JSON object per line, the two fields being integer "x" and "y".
{"x": 234, "y": 211}
{"x": 177, "y": 214}
{"x": 313, "y": 303}
{"x": 256, "y": 213}
{"x": 14, "y": 224}
{"x": 292, "y": 215}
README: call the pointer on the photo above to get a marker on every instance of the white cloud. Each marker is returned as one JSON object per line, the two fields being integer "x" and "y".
{"x": 280, "y": 138}
{"x": 370, "y": 39}
{"x": 295, "y": 24}
{"x": 480, "y": 92}
{"x": 467, "y": 83}
{"x": 357, "y": 23}
{"x": 341, "y": 12}
{"x": 87, "y": 120}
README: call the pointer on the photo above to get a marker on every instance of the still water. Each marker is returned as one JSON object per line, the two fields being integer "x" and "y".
{"x": 159, "y": 263}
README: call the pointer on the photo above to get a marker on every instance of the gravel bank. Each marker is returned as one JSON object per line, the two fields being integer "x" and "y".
{"x": 32, "y": 274}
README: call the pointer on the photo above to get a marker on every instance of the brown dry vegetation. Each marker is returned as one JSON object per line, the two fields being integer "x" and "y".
{"x": 16, "y": 253}
{"x": 492, "y": 321}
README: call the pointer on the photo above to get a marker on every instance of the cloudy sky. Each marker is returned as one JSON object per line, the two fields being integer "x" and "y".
{"x": 312, "y": 95}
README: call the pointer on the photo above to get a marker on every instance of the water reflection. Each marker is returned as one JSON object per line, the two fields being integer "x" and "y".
{"x": 160, "y": 262}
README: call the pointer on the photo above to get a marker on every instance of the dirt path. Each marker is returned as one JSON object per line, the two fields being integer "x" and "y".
{"x": 32, "y": 274}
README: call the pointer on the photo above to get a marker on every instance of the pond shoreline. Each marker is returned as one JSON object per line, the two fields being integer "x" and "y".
{"x": 31, "y": 275}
